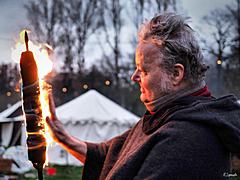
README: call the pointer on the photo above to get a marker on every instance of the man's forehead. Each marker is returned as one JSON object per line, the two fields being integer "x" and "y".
{"x": 147, "y": 52}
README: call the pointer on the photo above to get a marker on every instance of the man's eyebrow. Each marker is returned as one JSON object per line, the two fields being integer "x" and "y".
{"x": 137, "y": 64}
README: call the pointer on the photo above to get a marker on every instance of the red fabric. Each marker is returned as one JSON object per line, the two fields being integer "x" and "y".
{"x": 51, "y": 171}
{"x": 152, "y": 113}
{"x": 202, "y": 92}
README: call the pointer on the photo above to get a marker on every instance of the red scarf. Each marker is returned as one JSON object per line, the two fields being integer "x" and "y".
{"x": 202, "y": 92}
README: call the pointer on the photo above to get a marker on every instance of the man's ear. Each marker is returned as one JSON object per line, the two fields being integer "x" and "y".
{"x": 178, "y": 74}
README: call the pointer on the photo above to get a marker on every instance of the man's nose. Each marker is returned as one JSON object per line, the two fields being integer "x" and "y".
{"x": 135, "y": 77}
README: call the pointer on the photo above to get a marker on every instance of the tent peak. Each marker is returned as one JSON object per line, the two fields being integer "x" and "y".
{"x": 94, "y": 105}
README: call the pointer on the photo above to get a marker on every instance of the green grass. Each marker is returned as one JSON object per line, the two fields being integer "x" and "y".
{"x": 62, "y": 173}
{"x": 235, "y": 178}
{"x": 235, "y": 172}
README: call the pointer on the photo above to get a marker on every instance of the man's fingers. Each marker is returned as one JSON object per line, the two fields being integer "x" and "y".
{"x": 56, "y": 130}
{"x": 55, "y": 125}
{"x": 48, "y": 120}
{"x": 52, "y": 106}
{"x": 52, "y": 128}
{"x": 50, "y": 123}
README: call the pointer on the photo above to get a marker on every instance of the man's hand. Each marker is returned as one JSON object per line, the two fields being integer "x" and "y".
{"x": 76, "y": 147}
{"x": 57, "y": 131}
{"x": 55, "y": 126}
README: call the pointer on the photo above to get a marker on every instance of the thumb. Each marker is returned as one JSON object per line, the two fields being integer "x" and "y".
{"x": 49, "y": 122}
{"x": 47, "y": 119}
{"x": 52, "y": 106}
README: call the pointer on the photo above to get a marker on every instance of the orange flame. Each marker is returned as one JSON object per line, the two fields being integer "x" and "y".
{"x": 44, "y": 65}
{"x": 40, "y": 52}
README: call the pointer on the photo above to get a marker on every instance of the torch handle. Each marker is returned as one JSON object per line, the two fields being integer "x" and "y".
{"x": 40, "y": 174}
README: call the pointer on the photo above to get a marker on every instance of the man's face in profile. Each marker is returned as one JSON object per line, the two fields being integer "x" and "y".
{"x": 154, "y": 82}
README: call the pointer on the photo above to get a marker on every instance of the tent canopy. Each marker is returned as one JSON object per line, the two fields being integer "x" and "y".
{"x": 12, "y": 130}
{"x": 93, "y": 106}
{"x": 13, "y": 113}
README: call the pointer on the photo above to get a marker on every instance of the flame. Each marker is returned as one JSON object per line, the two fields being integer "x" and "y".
{"x": 40, "y": 52}
{"x": 44, "y": 91}
{"x": 44, "y": 65}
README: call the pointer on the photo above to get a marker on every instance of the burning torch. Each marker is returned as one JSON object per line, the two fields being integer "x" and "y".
{"x": 36, "y": 140}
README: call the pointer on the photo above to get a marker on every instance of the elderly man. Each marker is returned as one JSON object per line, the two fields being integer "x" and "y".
{"x": 184, "y": 134}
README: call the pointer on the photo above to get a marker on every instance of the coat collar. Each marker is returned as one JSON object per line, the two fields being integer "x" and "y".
{"x": 152, "y": 122}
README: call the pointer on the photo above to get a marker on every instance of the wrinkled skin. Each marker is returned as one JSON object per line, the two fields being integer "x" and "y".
{"x": 149, "y": 74}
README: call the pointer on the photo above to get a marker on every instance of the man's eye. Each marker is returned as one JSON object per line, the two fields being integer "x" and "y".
{"x": 144, "y": 73}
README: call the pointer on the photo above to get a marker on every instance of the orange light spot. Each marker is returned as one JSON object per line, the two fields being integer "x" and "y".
{"x": 219, "y": 62}
{"x": 107, "y": 82}
{"x": 8, "y": 94}
{"x": 85, "y": 86}
{"x": 64, "y": 90}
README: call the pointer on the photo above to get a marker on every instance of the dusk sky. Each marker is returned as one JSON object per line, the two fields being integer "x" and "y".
{"x": 13, "y": 19}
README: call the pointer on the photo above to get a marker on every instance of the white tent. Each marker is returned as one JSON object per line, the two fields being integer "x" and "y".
{"x": 90, "y": 117}
{"x": 8, "y": 112}
{"x": 13, "y": 136}
{"x": 12, "y": 127}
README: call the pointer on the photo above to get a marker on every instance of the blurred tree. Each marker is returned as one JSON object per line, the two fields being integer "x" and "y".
{"x": 43, "y": 16}
{"x": 10, "y": 77}
{"x": 112, "y": 25}
{"x": 232, "y": 73}
{"x": 233, "y": 15}
{"x": 66, "y": 25}
{"x": 218, "y": 21}
{"x": 140, "y": 9}
{"x": 86, "y": 19}
{"x": 224, "y": 47}
{"x": 163, "y": 5}
{"x": 9, "y": 91}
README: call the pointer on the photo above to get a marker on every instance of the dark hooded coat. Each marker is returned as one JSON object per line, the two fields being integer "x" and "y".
{"x": 190, "y": 138}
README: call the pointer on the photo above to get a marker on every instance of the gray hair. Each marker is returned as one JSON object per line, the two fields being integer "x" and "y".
{"x": 176, "y": 43}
